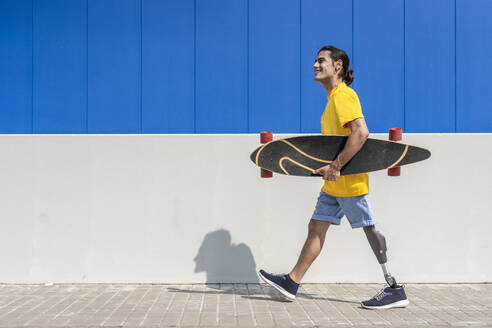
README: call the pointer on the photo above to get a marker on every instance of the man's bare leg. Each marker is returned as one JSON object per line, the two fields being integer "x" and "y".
{"x": 311, "y": 249}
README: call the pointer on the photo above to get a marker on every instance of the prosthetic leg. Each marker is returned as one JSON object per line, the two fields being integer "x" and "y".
{"x": 378, "y": 245}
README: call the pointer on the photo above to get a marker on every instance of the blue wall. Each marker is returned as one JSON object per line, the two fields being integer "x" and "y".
{"x": 240, "y": 66}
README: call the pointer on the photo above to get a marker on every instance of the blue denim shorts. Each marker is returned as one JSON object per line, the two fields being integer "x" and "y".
{"x": 357, "y": 210}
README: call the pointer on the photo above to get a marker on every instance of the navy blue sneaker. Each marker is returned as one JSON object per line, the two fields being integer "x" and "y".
{"x": 387, "y": 298}
{"x": 282, "y": 283}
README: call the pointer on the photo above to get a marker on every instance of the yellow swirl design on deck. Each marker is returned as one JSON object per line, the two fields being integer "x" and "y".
{"x": 259, "y": 151}
{"x": 290, "y": 159}
{"x": 303, "y": 153}
{"x": 297, "y": 163}
{"x": 401, "y": 157}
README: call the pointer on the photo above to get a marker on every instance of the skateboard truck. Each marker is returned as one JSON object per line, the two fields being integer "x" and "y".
{"x": 394, "y": 135}
{"x": 266, "y": 137}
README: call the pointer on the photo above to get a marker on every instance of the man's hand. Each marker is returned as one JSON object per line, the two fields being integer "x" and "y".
{"x": 330, "y": 172}
{"x": 357, "y": 138}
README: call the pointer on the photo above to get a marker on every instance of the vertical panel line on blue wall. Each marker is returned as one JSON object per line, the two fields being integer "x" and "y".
{"x": 87, "y": 68}
{"x": 353, "y": 35}
{"x": 404, "y": 68}
{"x": 247, "y": 66}
{"x": 353, "y": 51}
{"x": 455, "y": 75}
{"x": 141, "y": 70}
{"x": 32, "y": 66}
{"x": 194, "y": 65}
{"x": 300, "y": 66}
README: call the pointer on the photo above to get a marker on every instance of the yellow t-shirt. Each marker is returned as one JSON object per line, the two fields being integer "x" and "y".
{"x": 343, "y": 107}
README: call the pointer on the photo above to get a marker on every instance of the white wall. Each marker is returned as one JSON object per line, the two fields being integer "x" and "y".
{"x": 160, "y": 208}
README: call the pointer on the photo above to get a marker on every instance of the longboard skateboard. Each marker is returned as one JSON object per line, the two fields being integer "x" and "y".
{"x": 300, "y": 156}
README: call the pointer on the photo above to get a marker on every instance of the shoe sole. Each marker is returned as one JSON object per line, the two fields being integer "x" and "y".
{"x": 289, "y": 297}
{"x": 399, "y": 304}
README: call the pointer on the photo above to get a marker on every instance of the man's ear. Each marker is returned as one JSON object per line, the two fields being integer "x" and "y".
{"x": 339, "y": 64}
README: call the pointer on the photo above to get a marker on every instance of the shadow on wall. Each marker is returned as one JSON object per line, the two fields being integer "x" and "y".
{"x": 225, "y": 262}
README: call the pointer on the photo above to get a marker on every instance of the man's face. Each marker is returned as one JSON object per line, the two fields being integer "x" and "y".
{"x": 324, "y": 67}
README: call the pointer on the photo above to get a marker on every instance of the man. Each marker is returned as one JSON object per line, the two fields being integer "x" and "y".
{"x": 346, "y": 195}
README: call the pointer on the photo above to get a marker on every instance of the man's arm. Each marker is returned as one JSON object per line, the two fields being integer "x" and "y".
{"x": 358, "y": 136}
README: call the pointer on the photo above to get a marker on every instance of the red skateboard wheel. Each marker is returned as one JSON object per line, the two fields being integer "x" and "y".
{"x": 265, "y": 137}
{"x": 266, "y": 173}
{"x": 394, "y": 171}
{"x": 395, "y": 135}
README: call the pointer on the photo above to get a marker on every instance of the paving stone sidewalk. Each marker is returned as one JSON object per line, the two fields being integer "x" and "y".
{"x": 238, "y": 305}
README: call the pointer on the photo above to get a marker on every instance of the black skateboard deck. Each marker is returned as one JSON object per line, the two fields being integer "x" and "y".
{"x": 300, "y": 156}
